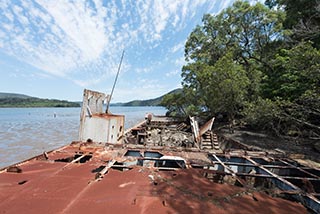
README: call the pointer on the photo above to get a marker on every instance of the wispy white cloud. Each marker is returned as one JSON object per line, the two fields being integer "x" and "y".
{"x": 82, "y": 40}
{"x": 177, "y": 47}
{"x": 61, "y": 38}
{"x": 180, "y": 61}
{"x": 143, "y": 70}
{"x": 139, "y": 90}
{"x": 173, "y": 73}
{"x": 224, "y": 4}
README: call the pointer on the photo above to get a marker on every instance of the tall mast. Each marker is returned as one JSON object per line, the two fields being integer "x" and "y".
{"x": 115, "y": 81}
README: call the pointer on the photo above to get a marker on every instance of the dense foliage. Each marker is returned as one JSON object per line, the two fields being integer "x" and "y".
{"x": 34, "y": 102}
{"x": 150, "y": 102}
{"x": 258, "y": 64}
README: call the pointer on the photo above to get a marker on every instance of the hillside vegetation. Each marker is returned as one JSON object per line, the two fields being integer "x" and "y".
{"x": 9, "y": 100}
{"x": 151, "y": 102}
{"x": 12, "y": 95}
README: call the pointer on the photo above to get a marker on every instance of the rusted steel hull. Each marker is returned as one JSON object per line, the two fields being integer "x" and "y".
{"x": 133, "y": 184}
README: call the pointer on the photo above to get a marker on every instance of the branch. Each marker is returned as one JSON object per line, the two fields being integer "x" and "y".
{"x": 303, "y": 122}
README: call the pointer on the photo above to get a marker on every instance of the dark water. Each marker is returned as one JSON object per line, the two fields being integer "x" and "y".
{"x": 26, "y": 132}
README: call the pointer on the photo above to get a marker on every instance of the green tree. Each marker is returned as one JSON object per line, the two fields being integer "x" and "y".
{"x": 227, "y": 54}
{"x": 295, "y": 72}
{"x": 263, "y": 114}
{"x": 302, "y": 18}
{"x": 175, "y": 105}
{"x": 294, "y": 86}
{"x": 249, "y": 31}
{"x": 217, "y": 88}
{"x": 242, "y": 58}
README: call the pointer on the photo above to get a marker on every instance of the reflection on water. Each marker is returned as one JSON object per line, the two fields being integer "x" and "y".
{"x": 26, "y": 132}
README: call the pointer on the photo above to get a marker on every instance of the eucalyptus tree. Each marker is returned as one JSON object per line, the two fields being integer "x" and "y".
{"x": 302, "y": 18}
{"x": 220, "y": 87}
{"x": 234, "y": 42}
{"x": 296, "y": 72}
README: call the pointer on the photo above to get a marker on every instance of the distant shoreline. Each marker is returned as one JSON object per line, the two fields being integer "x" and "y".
{"x": 2, "y": 107}
{"x": 31, "y": 102}
{"x": 14, "y": 100}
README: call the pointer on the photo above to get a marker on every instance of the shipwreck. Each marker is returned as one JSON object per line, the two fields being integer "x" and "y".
{"x": 161, "y": 165}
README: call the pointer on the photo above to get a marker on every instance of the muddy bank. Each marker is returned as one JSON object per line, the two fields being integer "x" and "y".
{"x": 294, "y": 148}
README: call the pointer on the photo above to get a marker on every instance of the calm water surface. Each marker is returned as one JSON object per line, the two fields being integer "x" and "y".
{"x": 26, "y": 132}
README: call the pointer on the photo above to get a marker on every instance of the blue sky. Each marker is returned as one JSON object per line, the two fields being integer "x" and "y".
{"x": 56, "y": 48}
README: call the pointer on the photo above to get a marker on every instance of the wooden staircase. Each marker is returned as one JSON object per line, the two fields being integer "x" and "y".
{"x": 215, "y": 141}
{"x": 206, "y": 141}
{"x": 182, "y": 126}
{"x": 209, "y": 141}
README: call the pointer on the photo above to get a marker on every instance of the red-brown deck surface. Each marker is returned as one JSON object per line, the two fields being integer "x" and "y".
{"x": 46, "y": 186}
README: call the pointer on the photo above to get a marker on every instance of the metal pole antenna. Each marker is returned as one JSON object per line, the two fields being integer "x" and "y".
{"x": 115, "y": 81}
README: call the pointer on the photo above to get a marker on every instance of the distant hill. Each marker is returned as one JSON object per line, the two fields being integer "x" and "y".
{"x": 11, "y": 100}
{"x": 8, "y": 100}
{"x": 13, "y": 95}
{"x": 150, "y": 102}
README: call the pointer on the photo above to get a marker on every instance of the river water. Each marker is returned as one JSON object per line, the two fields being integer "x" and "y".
{"x": 26, "y": 132}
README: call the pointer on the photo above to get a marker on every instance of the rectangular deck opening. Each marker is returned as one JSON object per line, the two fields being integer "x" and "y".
{"x": 149, "y": 154}
{"x": 76, "y": 159}
{"x": 289, "y": 172}
{"x": 133, "y": 153}
{"x": 308, "y": 185}
{"x": 227, "y": 159}
{"x": 265, "y": 162}
{"x": 177, "y": 164}
{"x": 313, "y": 171}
